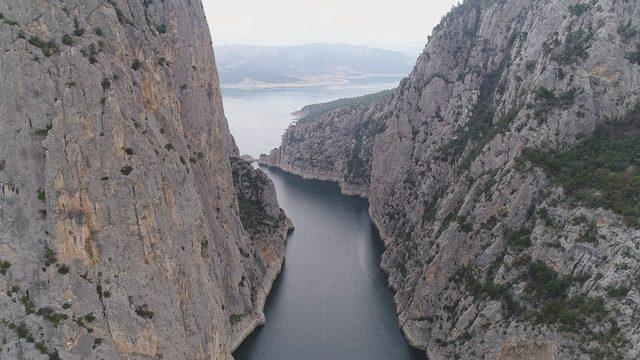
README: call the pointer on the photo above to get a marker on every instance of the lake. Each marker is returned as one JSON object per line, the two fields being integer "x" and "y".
{"x": 331, "y": 300}
{"x": 257, "y": 119}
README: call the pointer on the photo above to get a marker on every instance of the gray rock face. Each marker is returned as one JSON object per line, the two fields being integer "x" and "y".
{"x": 492, "y": 253}
{"x": 121, "y": 234}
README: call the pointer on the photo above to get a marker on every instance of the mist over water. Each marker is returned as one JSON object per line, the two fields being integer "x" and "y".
{"x": 331, "y": 300}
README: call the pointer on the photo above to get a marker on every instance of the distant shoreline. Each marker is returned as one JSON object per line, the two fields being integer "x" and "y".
{"x": 323, "y": 81}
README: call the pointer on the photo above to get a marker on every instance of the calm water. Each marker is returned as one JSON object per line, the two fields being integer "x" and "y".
{"x": 331, "y": 300}
{"x": 257, "y": 119}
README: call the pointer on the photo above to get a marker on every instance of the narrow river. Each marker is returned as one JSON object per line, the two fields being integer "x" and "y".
{"x": 331, "y": 300}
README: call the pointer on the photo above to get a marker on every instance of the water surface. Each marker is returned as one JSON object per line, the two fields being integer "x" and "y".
{"x": 257, "y": 119}
{"x": 331, "y": 300}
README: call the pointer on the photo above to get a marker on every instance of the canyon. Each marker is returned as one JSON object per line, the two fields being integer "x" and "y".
{"x": 503, "y": 176}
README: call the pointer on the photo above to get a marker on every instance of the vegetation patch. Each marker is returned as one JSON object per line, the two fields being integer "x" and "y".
{"x": 486, "y": 290}
{"x": 235, "y": 318}
{"x": 144, "y": 312}
{"x": 575, "y": 47}
{"x": 48, "y": 48}
{"x": 4, "y": 267}
{"x": 634, "y": 56}
{"x": 547, "y": 100}
{"x": 126, "y": 170}
{"x": 45, "y": 131}
{"x": 254, "y": 218}
{"x": 49, "y": 257}
{"x": 517, "y": 239}
{"x": 51, "y": 316}
{"x": 579, "y": 9}
{"x": 313, "y": 112}
{"x": 136, "y": 64}
{"x": 601, "y": 171}
{"x": 41, "y": 196}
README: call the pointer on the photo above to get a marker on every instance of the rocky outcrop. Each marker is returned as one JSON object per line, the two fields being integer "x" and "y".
{"x": 503, "y": 176}
{"x": 121, "y": 232}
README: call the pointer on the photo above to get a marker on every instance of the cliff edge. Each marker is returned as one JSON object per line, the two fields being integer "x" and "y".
{"x": 121, "y": 231}
{"x": 503, "y": 176}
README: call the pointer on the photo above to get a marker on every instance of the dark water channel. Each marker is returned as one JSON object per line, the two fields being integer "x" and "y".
{"x": 331, "y": 300}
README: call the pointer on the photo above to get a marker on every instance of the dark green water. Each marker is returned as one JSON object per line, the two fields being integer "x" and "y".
{"x": 331, "y": 300}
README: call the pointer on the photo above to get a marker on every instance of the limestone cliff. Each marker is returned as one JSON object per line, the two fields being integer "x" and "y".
{"x": 120, "y": 227}
{"x": 503, "y": 175}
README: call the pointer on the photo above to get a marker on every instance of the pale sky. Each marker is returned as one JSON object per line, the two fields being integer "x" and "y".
{"x": 356, "y": 22}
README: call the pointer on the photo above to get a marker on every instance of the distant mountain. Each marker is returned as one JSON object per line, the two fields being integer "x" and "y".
{"x": 247, "y": 66}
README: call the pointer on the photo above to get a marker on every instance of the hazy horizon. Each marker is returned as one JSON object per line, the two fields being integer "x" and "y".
{"x": 402, "y": 27}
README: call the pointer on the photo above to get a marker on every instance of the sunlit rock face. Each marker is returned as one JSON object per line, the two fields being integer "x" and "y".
{"x": 503, "y": 176}
{"x": 120, "y": 226}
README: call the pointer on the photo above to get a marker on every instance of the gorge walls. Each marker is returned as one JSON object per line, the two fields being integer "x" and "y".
{"x": 503, "y": 176}
{"x": 121, "y": 230}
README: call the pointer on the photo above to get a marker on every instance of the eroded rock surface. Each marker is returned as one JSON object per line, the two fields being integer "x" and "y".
{"x": 120, "y": 226}
{"x": 503, "y": 176}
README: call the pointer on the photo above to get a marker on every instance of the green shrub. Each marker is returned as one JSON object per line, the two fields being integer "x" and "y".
{"x": 575, "y": 47}
{"x": 465, "y": 226}
{"x": 11, "y": 22}
{"x": 41, "y": 196}
{"x": 48, "y": 48}
{"x": 29, "y": 306}
{"x": 2, "y": 165}
{"x": 4, "y": 266}
{"x": 161, "y": 28}
{"x": 106, "y": 84}
{"x": 45, "y": 131}
{"x": 99, "y": 32}
{"x": 144, "y": 312}
{"x": 547, "y": 100}
{"x": 50, "y": 315}
{"x": 545, "y": 282}
{"x": 63, "y": 269}
{"x": 591, "y": 234}
{"x": 617, "y": 291}
{"x": 41, "y": 347}
{"x": 128, "y": 151}
{"x": 490, "y": 223}
{"x": 235, "y": 318}
{"x": 126, "y": 170}
{"x": 136, "y": 64}
{"x": 67, "y": 40}
{"x": 121, "y": 18}
{"x": 49, "y": 257}
{"x": 517, "y": 239}
{"x": 483, "y": 290}
{"x": 14, "y": 290}
{"x": 22, "y": 330}
{"x": 579, "y": 9}
{"x": 634, "y": 57}
{"x": 169, "y": 146}
{"x": 90, "y": 317}
{"x": 66, "y": 306}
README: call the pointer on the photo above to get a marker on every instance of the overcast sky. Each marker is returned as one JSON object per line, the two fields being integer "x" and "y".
{"x": 358, "y": 22}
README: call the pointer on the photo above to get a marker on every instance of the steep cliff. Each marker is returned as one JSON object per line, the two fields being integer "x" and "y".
{"x": 120, "y": 226}
{"x": 504, "y": 176}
